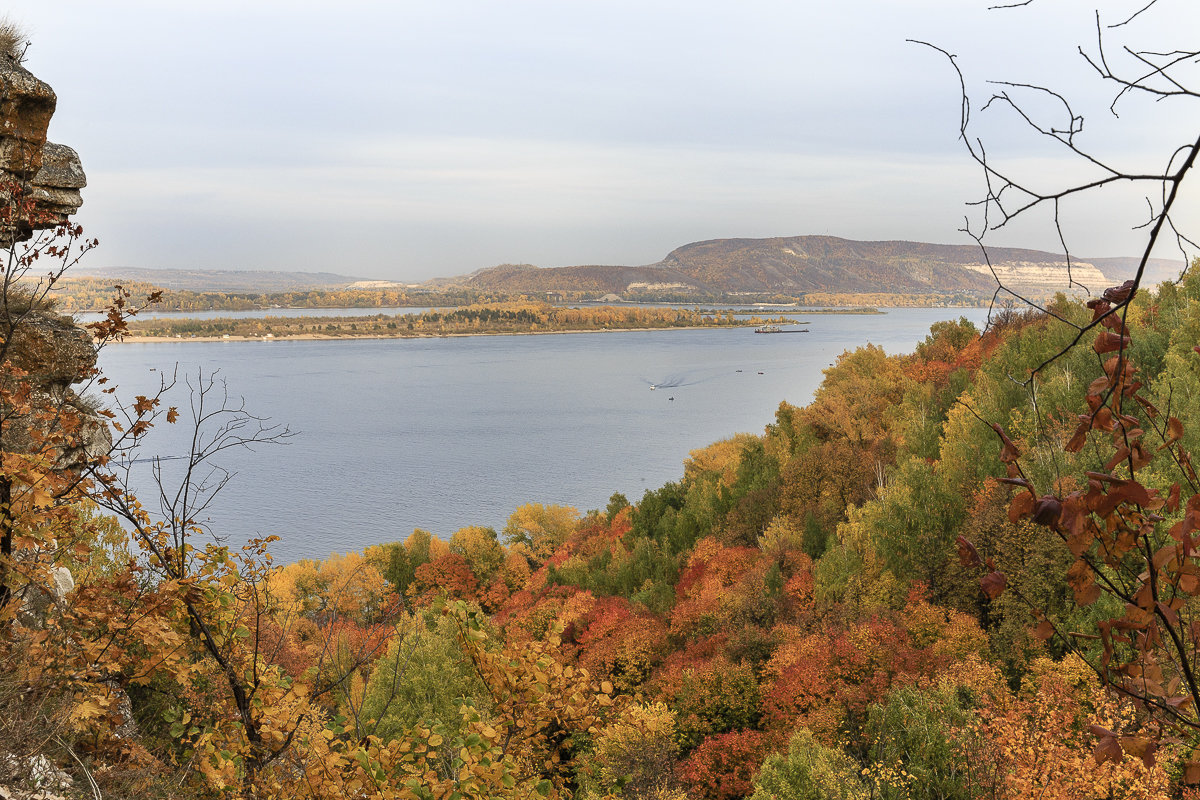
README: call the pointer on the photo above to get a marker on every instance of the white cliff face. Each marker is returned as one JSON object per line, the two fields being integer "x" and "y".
{"x": 1044, "y": 277}
{"x": 639, "y": 286}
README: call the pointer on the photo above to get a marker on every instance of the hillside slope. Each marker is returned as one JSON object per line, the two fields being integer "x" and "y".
{"x": 801, "y": 264}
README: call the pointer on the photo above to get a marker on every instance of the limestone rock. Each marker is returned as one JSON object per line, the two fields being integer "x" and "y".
{"x": 50, "y": 174}
{"x": 52, "y": 349}
{"x": 43, "y": 779}
{"x": 38, "y": 601}
{"x": 26, "y": 105}
{"x": 51, "y": 352}
{"x": 56, "y": 185}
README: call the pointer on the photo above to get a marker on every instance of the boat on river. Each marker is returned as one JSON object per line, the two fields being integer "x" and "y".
{"x": 768, "y": 329}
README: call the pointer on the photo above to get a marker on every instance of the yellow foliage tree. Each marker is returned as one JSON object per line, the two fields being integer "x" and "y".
{"x": 540, "y": 529}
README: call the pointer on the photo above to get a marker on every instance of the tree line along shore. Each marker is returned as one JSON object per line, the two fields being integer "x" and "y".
{"x": 497, "y": 318}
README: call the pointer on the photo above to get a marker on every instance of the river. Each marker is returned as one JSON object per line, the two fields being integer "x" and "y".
{"x": 395, "y": 434}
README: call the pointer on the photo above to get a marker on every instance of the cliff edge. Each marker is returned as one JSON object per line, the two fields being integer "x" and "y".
{"x": 49, "y": 175}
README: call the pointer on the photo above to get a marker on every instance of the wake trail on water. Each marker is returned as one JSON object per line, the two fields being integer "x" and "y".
{"x": 684, "y": 379}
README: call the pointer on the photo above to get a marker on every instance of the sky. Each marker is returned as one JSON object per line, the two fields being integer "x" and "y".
{"x": 407, "y": 140}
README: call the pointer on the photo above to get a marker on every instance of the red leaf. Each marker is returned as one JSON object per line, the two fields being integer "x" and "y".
{"x": 1174, "y": 432}
{"x": 1099, "y": 307}
{"x": 1080, "y": 438}
{"x": 1022, "y": 482}
{"x": 993, "y": 584}
{"x": 1043, "y": 631}
{"x": 1083, "y": 581}
{"x": 1113, "y": 323}
{"x": 1108, "y": 342}
{"x": 1173, "y": 499}
{"x": 1047, "y": 510}
{"x": 1119, "y": 294}
{"x": 1141, "y": 747}
{"x": 968, "y": 556}
{"x": 1107, "y": 748}
{"x": 1151, "y": 409}
{"x": 1009, "y": 453}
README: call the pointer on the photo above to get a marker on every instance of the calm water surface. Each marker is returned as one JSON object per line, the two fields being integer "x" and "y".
{"x": 395, "y": 434}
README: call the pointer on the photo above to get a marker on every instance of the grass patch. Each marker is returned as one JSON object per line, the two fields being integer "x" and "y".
{"x": 13, "y": 40}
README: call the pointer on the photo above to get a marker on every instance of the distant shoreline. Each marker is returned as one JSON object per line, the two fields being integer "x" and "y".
{"x": 323, "y": 337}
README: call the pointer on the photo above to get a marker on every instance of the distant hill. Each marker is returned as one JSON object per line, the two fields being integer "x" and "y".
{"x": 801, "y": 264}
{"x": 222, "y": 280}
{"x": 791, "y": 265}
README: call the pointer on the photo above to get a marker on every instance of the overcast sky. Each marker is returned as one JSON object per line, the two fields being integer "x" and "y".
{"x": 408, "y": 140}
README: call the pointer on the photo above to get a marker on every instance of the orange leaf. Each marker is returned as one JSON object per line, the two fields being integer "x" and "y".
{"x": 1021, "y": 505}
{"x": 1174, "y": 432}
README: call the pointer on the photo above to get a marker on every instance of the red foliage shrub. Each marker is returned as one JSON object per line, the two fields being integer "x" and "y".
{"x": 495, "y": 596}
{"x": 596, "y": 534}
{"x": 826, "y": 680}
{"x": 707, "y": 594}
{"x": 620, "y": 641}
{"x": 285, "y": 646}
{"x": 723, "y": 767}
{"x": 448, "y": 575}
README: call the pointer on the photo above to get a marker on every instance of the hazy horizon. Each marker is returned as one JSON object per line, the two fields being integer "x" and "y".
{"x": 88, "y": 269}
{"x": 410, "y": 141}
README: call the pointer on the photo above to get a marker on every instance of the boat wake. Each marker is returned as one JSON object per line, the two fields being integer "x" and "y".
{"x": 677, "y": 380}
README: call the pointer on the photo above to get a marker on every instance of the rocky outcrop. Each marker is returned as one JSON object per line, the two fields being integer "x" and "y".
{"x": 49, "y": 353}
{"x": 48, "y": 174}
{"x": 40, "y": 185}
{"x": 39, "y": 601}
{"x": 56, "y": 185}
{"x": 51, "y": 348}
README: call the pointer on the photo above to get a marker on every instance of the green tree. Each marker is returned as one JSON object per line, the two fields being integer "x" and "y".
{"x": 809, "y": 771}
{"x": 423, "y": 678}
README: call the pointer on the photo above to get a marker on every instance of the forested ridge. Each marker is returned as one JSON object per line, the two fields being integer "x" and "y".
{"x": 869, "y": 599}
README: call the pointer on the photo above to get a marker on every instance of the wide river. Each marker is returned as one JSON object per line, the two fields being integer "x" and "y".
{"x": 396, "y": 434}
